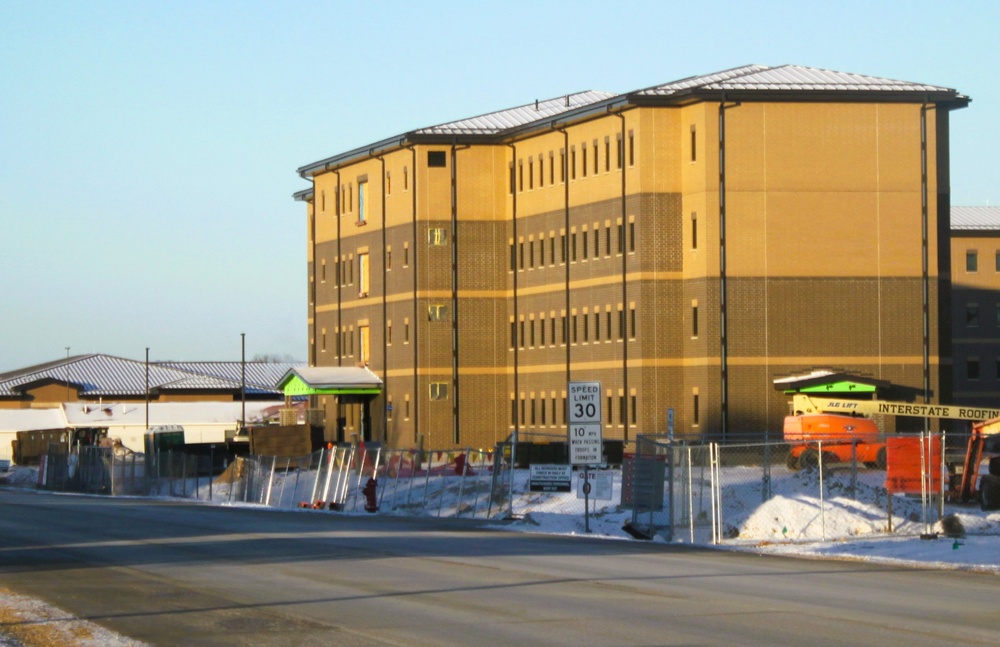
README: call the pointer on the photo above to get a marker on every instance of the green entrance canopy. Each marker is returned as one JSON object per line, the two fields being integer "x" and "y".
{"x": 330, "y": 380}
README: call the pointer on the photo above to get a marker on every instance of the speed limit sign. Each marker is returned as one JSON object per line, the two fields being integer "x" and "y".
{"x": 585, "y": 437}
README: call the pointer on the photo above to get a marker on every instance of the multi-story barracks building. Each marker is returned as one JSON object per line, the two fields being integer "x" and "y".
{"x": 684, "y": 245}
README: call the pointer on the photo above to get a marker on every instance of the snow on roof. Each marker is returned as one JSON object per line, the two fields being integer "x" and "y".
{"x": 31, "y": 419}
{"x": 163, "y": 413}
{"x": 333, "y": 376}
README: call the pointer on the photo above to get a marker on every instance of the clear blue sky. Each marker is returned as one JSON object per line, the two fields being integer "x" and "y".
{"x": 148, "y": 149}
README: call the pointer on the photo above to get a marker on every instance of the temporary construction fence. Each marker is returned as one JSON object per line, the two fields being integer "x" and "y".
{"x": 691, "y": 492}
{"x": 715, "y": 492}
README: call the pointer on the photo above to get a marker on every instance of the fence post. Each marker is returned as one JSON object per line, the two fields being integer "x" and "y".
{"x": 822, "y": 500}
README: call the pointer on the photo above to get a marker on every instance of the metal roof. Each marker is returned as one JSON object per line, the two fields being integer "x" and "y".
{"x": 748, "y": 82}
{"x": 790, "y": 78}
{"x": 975, "y": 218}
{"x": 494, "y": 123}
{"x": 332, "y": 376}
{"x": 101, "y": 376}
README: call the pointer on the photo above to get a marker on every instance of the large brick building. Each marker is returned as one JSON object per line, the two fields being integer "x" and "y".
{"x": 684, "y": 245}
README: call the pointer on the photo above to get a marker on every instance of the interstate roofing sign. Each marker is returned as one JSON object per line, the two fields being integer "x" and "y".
{"x": 585, "y": 433}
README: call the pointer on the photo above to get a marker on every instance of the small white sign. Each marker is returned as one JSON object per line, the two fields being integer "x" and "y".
{"x": 600, "y": 485}
{"x": 585, "y": 443}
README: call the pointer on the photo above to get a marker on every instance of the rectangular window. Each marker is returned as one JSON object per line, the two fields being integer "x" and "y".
{"x": 586, "y": 328}
{"x": 520, "y": 176}
{"x": 541, "y": 171}
{"x": 520, "y": 248}
{"x": 586, "y": 244}
{"x": 971, "y": 261}
{"x": 607, "y": 154}
{"x": 513, "y": 256}
{"x": 572, "y": 162}
{"x": 631, "y": 325}
{"x": 597, "y": 241}
{"x": 542, "y": 403}
{"x": 533, "y": 411}
{"x": 362, "y": 201}
{"x": 997, "y": 261}
{"x": 562, "y": 248}
{"x": 565, "y": 328}
{"x": 521, "y": 338}
{"x": 607, "y": 243}
{"x": 388, "y": 183}
{"x": 513, "y": 178}
{"x": 694, "y": 145}
{"x": 513, "y": 411}
{"x": 406, "y": 254}
{"x": 583, "y": 151}
{"x": 611, "y": 411}
{"x": 972, "y": 368}
{"x": 522, "y": 411}
{"x": 541, "y": 331}
{"x": 552, "y": 168}
{"x": 513, "y": 334}
{"x": 633, "y": 409}
{"x": 562, "y": 164}
{"x": 388, "y": 260}
{"x": 322, "y": 278}
{"x": 631, "y": 148}
{"x": 437, "y": 312}
{"x": 406, "y": 331}
{"x": 621, "y": 324}
{"x": 694, "y": 321}
{"x": 531, "y": 254}
{"x": 573, "y": 329}
{"x": 621, "y": 238}
{"x": 531, "y": 328}
{"x": 438, "y": 390}
{"x": 695, "y": 411}
{"x": 596, "y": 165}
{"x": 364, "y": 335}
{"x": 972, "y": 314}
{"x": 531, "y": 173}
{"x": 694, "y": 230}
{"x": 572, "y": 256}
{"x": 437, "y": 159}
{"x": 620, "y": 152}
{"x": 597, "y": 326}
{"x": 388, "y": 333}
{"x": 323, "y": 337}
{"x": 622, "y": 410}
{"x": 607, "y": 321}
{"x": 631, "y": 237}
{"x": 364, "y": 275}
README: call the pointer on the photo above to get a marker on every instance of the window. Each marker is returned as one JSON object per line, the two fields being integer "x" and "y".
{"x": 323, "y": 337}
{"x": 531, "y": 254}
{"x": 607, "y": 244}
{"x": 695, "y": 411}
{"x": 586, "y": 244}
{"x": 406, "y": 254}
{"x": 997, "y": 261}
{"x": 388, "y": 259}
{"x": 597, "y": 241}
{"x": 621, "y": 238}
{"x": 406, "y": 186}
{"x": 552, "y": 329}
{"x": 362, "y": 204}
{"x": 607, "y": 321}
{"x": 562, "y": 164}
{"x": 513, "y": 178}
{"x": 520, "y": 247}
{"x": 583, "y": 151}
{"x": 622, "y": 409}
{"x": 323, "y": 272}
{"x": 406, "y": 331}
{"x": 631, "y": 325}
{"x": 437, "y": 312}
{"x": 597, "y": 326}
{"x": 541, "y": 330}
{"x": 438, "y": 390}
{"x": 541, "y": 171}
{"x": 364, "y": 335}
{"x": 586, "y": 328}
{"x": 596, "y": 166}
{"x": 521, "y": 326}
{"x": 437, "y": 159}
{"x": 388, "y": 333}
{"x": 388, "y": 182}
{"x": 513, "y": 334}
{"x": 531, "y": 330}
{"x": 631, "y": 237}
{"x": 694, "y": 321}
{"x": 621, "y": 324}
{"x": 694, "y": 230}
{"x": 971, "y": 261}
{"x": 633, "y": 410}
{"x": 607, "y": 154}
{"x": 437, "y": 236}
{"x": 520, "y": 175}
{"x": 531, "y": 173}
{"x": 694, "y": 145}
{"x": 972, "y": 314}
{"x": 572, "y": 162}
{"x": 513, "y": 256}
{"x": 573, "y": 330}
{"x": 552, "y": 250}
{"x": 513, "y": 411}
{"x": 573, "y": 247}
{"x": 611, "y": 411}
{"x": 562, "y": 248}
{"x": 552, "y": 168}
{"x": 620, "y": 150}
{"x": 972, "y": 368}
{"x": 565, "y": 328}
{"x": 364, "y": 275}
{"x": 631, "y": 148}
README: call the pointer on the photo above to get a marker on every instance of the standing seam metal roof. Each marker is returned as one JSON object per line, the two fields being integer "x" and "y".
{"x": 975, "y": 218}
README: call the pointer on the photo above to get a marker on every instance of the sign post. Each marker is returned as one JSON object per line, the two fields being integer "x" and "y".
{"x": 586, "y": 441}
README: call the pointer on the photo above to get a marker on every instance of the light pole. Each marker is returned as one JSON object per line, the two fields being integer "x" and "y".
{"x": 67, "y": 373}
{"x": 243, "y": 381}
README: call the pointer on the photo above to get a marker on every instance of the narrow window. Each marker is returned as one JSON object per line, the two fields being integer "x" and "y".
{"x": 573, "y": 330}
{"x": 520, "y": 176}
{"x": 631, "y": 325}
{"x": 552, "y": 250}
{"x": 586, "y": 244}
{"x": 531, "y": 328}
{"x": 364, "y": 275}
{"x": 586, "y": 328}
{"x": 597, "y": 241}
{"x": 533, "y": 410}
{"x": 565, "y": 328}
{"x": 552, "y": 168}
{"x": 620, "y": 150}
{"x": 513, "y": 178}
{"x": 531, "y": 173}
{"x": 631, "y": 237}
{"x": 695, "y": 411}
{"x": 322, "y": 278}
{"x": 562, "y": 248}
{"x": 513, "y": 334}
{"x": 633, "y": 408}
{"x": 562, "y": 164}
{"x": 363, "y": 201}
{"x": 597, "y": 326}
{"x": 611, "y": 411}
{"x": 521, "y": 326}
{"x": 596, "y": 165}
{"x": 572, "y": 162}
{"x": 573, "y": 247}
{"x": 406, "y": 186}
{"x": 520, "y": 247}
{"x": 694, "y": 230}
{"x": 621, "y": 238}
{"x": 607, "y": 154}
{"x": 513, "y": 256}
{"x": 513, "y": 411}
{"x": 541, "y": 171}
{"x": 531, "y": 254}
{"x": 694, "y": 321}
{"x": 388, "y": 183}
{"x": 542, "y": 403}
{"x": 997, "y": 261}
{"x": 323, "y": 337}
{"x": 622, "y": 410}
{"x": 406, "y": 331}
{"x": 364, "y": 336}
{"x": 694, "y": 146}
{"x": 607, "y": 244}
{"x": 607, "y": 321}
{"x": 583, "y": 151}
{"x": 388, "y": 333}
{"x": 388, "y": 260}
{"x": 631, "y": 148}
{"x": 621, "y": 324}
{"x": 541, "y": 331}
{"x": 972, "y": 368}
{"x": 552, "y": 330}
{"x": 406, "y": 254}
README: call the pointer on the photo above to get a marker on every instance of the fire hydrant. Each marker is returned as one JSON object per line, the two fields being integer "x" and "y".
{"x": 370, "y": 490}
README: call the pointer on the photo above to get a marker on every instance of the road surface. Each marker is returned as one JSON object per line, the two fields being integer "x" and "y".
{"x": 176, "y": 573}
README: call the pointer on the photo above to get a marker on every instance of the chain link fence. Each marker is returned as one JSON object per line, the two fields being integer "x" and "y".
{"x": 691, "y": 492}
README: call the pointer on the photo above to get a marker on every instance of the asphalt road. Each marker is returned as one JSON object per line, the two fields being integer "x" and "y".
{"x": 173, "y": 573}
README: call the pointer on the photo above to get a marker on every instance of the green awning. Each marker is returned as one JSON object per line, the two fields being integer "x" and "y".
{"x": 330, "y": 380}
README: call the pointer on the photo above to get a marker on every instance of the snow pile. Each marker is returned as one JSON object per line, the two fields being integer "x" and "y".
{"x": 27, "y": 621}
